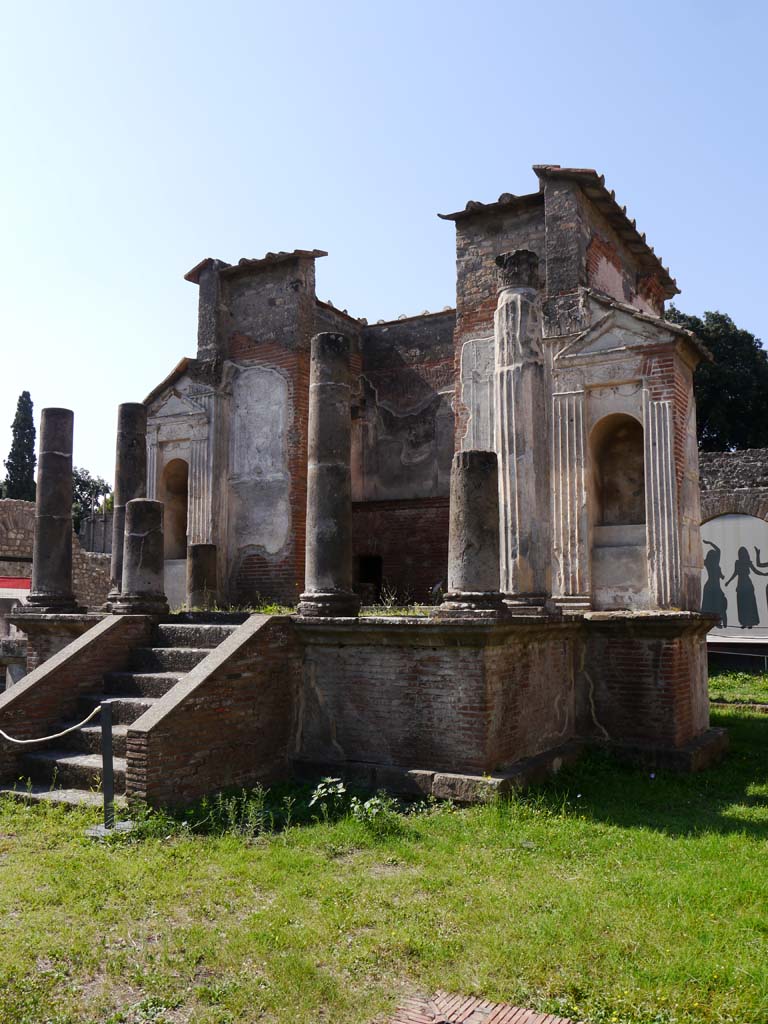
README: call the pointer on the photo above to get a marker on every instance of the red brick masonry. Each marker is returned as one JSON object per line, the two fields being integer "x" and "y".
{"x": 444, "y": 1008}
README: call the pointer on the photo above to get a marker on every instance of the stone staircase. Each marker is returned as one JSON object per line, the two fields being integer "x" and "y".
{"x": 69, "y": 770}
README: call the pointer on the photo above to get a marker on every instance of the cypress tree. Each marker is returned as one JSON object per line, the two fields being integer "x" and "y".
{"x": 20, "y": 464}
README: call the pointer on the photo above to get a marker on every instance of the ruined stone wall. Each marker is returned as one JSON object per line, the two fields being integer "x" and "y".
{"x": 734, "y": 483}
{"x": 405, "y": 426}
{"x": 90, "y": 572}
{"x": 95, "y": 533}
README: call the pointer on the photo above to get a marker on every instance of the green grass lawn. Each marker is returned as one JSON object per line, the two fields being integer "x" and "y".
{"x": 744, "y": 687}
{"x": 610, "y": 895}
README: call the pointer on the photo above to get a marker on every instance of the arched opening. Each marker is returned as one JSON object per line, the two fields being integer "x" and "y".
{"x": 619, "y": 471}
{"x": 617, "y": 514}
{"x": 174, "y": 494}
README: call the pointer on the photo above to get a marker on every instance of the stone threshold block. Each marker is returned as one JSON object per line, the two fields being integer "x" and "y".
{"x": 461, "y": 787}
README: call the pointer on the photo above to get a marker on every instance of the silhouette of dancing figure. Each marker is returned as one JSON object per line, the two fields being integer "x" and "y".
{"x": 746, "y": 604}
{"x": 714, "y": 599}
{"x": 763, "y": 565}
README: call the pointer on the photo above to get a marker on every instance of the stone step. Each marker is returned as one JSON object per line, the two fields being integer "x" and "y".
{"x": 88, "y": 739}
{"x": 140, "y": 684}
{"x": 35, "y": 793}
{"x": 166, "y": 659}
{"x": 124, "y": 709}
{"x": 201, "y": 635}
{"x": 65, "y": 769}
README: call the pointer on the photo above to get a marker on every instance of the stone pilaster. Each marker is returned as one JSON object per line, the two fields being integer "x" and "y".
{"x": 51, "y": 590}
{"x": 661, "y": 510}
{"x": 202, "y": 583}
{"x": 522, "y": 431}
{"x": 570, "y": 541}
{"x": 473, "y": 538}
{"x": 130, "y": 478}
{"x": 328, "y": 572}
{"x": 143, "y": 586}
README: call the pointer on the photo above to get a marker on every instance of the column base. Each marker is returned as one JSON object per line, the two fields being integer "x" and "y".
{"x": 329, "y": 604}
{"x": 112, "y": 597}
{"x": 51, "y": 604}
{"x": 573, "y": 604}
{"x": 140, "y": 604}
{"x": 525, "y": 604}
{"x": 483, "y": 605}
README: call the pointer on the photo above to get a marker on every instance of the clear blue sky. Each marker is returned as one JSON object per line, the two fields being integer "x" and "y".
{"x": 139, "y": 138}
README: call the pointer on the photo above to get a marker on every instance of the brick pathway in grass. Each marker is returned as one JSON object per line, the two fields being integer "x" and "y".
{"x": 444, "y": 1008}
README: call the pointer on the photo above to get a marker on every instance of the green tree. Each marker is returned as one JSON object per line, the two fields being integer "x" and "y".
{"x": 732, "y": 391}
{"x": 86, "y": 491}
{"x": 20, "y": 464}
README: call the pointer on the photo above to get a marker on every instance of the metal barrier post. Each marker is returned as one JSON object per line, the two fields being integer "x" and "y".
{"x": 107, "y": 766}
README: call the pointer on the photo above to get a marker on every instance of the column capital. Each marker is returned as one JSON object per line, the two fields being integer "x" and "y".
{"x": 518, "y": 269}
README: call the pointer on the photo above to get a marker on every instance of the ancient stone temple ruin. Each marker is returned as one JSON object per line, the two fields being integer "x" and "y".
{"x": 533, "y": 451}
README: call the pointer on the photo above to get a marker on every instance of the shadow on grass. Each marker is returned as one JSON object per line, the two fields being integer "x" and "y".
{"x": 731, "y": 797}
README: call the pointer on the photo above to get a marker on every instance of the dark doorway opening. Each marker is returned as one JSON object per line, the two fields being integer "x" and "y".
{"x": 370, "y": 575}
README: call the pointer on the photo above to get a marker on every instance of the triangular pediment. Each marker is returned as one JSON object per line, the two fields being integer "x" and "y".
{"x": 615, "y": 332}
{"x": 174, "y": 403}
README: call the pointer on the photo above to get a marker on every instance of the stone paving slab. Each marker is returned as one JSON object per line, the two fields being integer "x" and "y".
{"x": 446, "y": 1008}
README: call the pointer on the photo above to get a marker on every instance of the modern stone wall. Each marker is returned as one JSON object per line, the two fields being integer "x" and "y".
{"x": 90, "y": 571}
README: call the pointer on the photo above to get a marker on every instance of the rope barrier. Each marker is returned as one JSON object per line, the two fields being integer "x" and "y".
{"x": 56, "y": 735}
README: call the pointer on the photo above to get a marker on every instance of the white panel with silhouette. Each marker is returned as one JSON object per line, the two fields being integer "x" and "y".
{"x": 734, "y": 583}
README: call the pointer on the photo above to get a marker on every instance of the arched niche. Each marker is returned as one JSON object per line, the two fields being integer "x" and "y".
{"x": 618, "y": 471}
{"x": 174, "y": 491}
{"x": 617, "y": 513}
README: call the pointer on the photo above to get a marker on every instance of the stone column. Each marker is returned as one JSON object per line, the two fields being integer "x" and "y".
{"x": 328, "y": 566}
{"x": 201, "y": 576}
{"x": 51, "y": 590}
{"x": 522, "y": 432}
{"x": 473, "y": 539}
{"x": 130, "y": 478}
{"x": 142, "y": 587}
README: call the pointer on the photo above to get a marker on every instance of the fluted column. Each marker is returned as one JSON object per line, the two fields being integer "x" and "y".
{"x": 328, "y": 565}
{"x": 51, "y": 589}
{"x": 143, "y": 584}
{"x": 522, "y": 431}
{"x": 661, "y": 511}
{"x": 473, "y": 538}
{"x": 130, "y": 478}
{"x": 570, "y": 531}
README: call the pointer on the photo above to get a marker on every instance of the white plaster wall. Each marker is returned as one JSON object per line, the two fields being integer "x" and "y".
{"x": 259, "y": 477}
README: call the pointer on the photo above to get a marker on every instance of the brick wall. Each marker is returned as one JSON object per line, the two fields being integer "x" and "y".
{"x": 640, "y": 683}
{"x": 474, "y": 699}
{"x": 411, "y": 537}
{"x": 228, "y": 724}
{"x": 49, "y": 695}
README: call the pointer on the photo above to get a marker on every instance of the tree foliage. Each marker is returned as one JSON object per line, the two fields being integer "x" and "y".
{"x": 731, "y": 392}
{"x": 86, "y": 492}
{"x": 20, "y": 464}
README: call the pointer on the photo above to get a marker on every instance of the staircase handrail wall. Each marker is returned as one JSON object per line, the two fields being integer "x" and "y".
{"x": 39, "y": 702}
{"x": 228, "y": 723}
